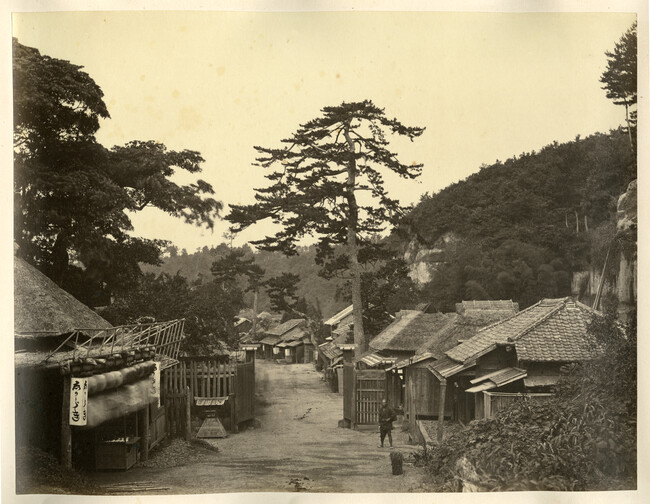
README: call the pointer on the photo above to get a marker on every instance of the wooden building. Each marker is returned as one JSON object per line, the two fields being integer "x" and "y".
{"x": 410, "y": 383}
{"x": 296, "y": 344}
{"x": 81, "y": 382}
{"x": 243, "y": 325}
{"x": 281, "y": 342}
{"x": 338, "y": 326}
{"x": 519, "y": 356}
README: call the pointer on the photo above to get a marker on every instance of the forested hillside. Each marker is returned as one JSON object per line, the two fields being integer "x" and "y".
{"x": 519, "y": 228}
{"x": 316, "y": 290}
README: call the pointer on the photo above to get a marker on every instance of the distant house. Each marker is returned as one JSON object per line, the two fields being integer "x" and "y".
{"x": 338, "y": 326}
{"x": 290, "y": 342}
{"x": 330, "y": 359}
{"x": 243, "y": 325}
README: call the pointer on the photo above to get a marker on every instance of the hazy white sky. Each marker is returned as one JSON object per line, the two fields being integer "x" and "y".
{"x": 486, "y": 86}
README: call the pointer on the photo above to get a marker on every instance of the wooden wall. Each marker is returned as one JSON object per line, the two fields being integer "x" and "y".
{"x": 423, "y": 395}
{"x": 497, "y": 359}
{"x": 493, "y": 402}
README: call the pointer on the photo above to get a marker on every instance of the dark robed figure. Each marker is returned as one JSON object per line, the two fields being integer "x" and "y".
{"x": 386, "y": 418}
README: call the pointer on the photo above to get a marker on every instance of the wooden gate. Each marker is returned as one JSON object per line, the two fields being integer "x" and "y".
{"x": 369, "y": 391}
{"x": 173, "y": 395}
{"x": 245, "y": 392}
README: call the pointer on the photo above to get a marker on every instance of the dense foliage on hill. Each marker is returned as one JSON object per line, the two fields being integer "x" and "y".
{"x": 522, "y": 226}
{"x": 316, "y": 290}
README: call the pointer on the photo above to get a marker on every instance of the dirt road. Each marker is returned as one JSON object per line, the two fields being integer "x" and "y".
{"x": 297, "y": 447}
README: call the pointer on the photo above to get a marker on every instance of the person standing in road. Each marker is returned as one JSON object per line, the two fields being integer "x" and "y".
{"x": 386, "y": 418}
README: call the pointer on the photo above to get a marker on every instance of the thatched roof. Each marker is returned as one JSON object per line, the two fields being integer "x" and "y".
{"x": 285, "y": 327}
{"x": 41, "y": 306}
{"x": 462, "y": 328}
{"x": 411, "y": 330}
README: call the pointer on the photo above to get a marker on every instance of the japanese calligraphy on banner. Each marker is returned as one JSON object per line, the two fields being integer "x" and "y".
{"x": 155, "y": 383}
{"x": 78, "y": 401}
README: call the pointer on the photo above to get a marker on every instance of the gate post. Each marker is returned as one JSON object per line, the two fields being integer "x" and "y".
{"x": 348, "y": 358}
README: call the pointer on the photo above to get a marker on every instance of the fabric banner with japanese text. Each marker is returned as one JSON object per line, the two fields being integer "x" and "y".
{"x": 78, "y": 401}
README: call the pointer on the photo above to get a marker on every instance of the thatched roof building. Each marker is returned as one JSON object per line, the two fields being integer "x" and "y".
{"x": 42, "y": 307}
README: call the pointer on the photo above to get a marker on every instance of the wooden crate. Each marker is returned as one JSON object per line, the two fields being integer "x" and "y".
{"x": 116, "y": 455}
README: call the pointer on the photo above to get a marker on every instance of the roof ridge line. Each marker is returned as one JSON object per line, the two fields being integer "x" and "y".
{"x": 541, "y": 320}
{"x": 588, "y": 308}
{"x": 508, "y": 318}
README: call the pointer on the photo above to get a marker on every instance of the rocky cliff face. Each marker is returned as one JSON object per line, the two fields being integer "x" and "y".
{"x": 624, "y": 284}
{"x": 424, "y": 262}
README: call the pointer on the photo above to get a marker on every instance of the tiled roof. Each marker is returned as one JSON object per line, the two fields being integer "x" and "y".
{"x": 330, "y": 350}
{"x": 551, "y": 330}
{"x": 497, "y": 379}
{"x": 285, "y": 327}
{"x": 336, "y": 319}
{"x": 560, "y": 338}
{"x": 448, "y": 367}
{"x": 499, "y": 304}
{"x": 294, "y": 334}
{"x": 340, "y": 334}
{"x": 270, "y": 340}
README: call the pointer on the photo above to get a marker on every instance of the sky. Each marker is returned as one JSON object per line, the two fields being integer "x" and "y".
{"x": 486, "y": 86}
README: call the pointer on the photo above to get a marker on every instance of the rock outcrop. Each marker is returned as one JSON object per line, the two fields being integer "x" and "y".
{"x": 424, "y": 262}
{"x": 624, "y": 284}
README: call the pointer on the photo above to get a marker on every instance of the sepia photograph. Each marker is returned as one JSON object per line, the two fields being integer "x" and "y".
{"x": 373, "y": 250}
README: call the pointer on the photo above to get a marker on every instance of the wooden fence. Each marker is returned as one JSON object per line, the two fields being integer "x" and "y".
{"x": 209, "y": 379}
{"x": 370, "y": 390}
{"x": 173, "y": 392}
{"x": 494, "y": 402}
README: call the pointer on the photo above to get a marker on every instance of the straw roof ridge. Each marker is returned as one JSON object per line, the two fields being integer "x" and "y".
{"x": 285, "y": 327}
{"x": 41, "y": 307}
{"x": 412, "y": 330}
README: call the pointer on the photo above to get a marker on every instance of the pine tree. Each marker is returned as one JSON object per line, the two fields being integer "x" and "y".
{"x": 327, "y": 184}
{"x": 621, "y": 75}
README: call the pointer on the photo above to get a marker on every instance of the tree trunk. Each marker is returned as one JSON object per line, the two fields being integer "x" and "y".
{"x": 254, "y": 328}
{"x": 60, "y": 259}
{"x": 353, "y": 216}
{"x": 629, "y": 127}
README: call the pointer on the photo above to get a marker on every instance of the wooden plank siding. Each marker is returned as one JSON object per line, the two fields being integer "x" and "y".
{"x": 493, "y": 402}
{"x": 423, "y": 396}
{"x": 244, "y": 391}
{"x": 348, "y": 391}
{"x": 211, "y": 379}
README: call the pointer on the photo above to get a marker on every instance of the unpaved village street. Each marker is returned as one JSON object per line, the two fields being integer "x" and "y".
{"x": 297, "y": 447}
